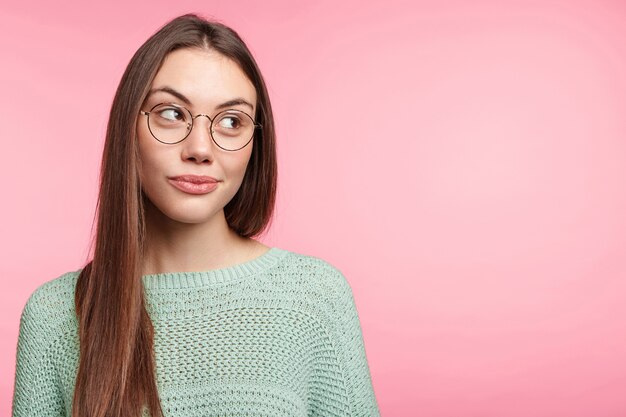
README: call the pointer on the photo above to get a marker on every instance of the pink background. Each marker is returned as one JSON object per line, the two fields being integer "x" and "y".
{"x": 462, "y": 164}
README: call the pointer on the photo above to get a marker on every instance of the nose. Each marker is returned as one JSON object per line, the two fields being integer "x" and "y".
{"x": 198, "y": 146}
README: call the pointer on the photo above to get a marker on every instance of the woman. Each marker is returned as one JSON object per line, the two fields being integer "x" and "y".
{"x": 180, "y": 311}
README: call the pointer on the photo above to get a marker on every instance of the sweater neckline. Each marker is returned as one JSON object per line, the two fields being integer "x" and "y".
{"x": 180, "y": 280}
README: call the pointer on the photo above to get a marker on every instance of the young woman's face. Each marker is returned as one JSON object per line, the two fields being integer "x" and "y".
{"x": 208, "y": 81}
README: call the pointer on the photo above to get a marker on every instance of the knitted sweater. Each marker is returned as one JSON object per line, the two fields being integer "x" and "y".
{"x": 275, "y": 336}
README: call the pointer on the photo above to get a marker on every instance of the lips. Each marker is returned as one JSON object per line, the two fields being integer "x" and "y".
{"x": 194, "y": 179}
{"x": 194, "y": 184}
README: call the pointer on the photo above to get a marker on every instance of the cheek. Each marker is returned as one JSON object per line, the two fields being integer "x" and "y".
{"x": 145, "y": 162}
{"x": 151, "y": 159}
{"x": 235, "y": 163}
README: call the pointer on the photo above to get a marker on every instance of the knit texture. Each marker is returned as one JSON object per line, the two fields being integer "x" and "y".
{"x": 275, "y": 336}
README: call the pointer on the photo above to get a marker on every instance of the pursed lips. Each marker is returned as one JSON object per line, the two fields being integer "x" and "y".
{"x": 194, "y": 184}
{"x": 194, "y": 179}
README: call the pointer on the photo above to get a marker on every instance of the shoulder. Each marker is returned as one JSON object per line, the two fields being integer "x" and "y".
{"x": 50, "y": 304}
{"x": 315, "y": 273}
{"x": 47, "y": 341}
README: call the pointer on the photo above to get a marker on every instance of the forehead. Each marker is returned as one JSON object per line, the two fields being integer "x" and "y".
{"x": 206, "y": 78}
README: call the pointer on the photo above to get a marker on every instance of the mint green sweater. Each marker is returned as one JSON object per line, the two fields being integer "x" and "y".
{"x": 275, "y": 336}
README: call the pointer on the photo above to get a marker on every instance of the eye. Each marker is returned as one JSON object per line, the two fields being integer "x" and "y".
{"x": 229, "y": 122}
{"x": 172, "y": 114}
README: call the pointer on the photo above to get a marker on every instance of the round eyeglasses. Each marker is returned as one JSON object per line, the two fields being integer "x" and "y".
{"x": 171, "y": 123}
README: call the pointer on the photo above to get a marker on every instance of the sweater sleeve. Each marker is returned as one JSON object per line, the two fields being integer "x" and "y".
{"x": 363, "y": 401}
{"x": 36, "y": 390}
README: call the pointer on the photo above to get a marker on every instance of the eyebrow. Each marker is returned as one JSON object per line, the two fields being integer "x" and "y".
{"x": 180, "y": 96}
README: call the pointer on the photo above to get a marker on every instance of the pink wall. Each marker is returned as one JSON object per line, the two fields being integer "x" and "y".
{"x": 463, "y": 165}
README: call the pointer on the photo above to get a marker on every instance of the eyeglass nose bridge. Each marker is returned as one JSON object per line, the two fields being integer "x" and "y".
{"x": 198, "y": 115}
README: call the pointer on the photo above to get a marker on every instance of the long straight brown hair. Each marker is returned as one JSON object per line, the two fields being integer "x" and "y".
{"x": 117, "y": 371}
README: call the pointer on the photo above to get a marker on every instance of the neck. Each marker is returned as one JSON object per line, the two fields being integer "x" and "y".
{"x": 173, "y": 246}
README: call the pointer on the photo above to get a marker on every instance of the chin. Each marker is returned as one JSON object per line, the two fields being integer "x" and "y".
{"x": 188, "y": 214}
{"x": 191, "y": 217}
